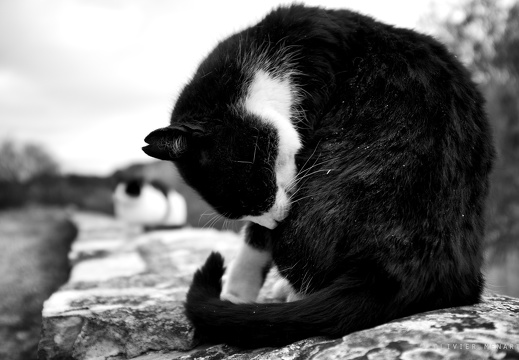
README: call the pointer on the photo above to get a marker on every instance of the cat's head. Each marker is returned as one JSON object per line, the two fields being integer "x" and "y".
{"x": 239, "y": 153}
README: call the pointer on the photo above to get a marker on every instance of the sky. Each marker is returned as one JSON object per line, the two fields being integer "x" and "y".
{"x": 89, "y": 79}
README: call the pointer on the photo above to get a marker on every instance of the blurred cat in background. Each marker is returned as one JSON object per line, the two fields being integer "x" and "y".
{"x": 151, "y": 204}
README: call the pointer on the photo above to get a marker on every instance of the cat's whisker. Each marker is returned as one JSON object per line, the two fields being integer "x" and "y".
{"x": 315, "y": 164}
{"x": 225, "y": 224}
{"x": 306, "y": 281}
{"x": 218, "y": 218}
{"x": 242, "y": 162}
{"x": 311, "y": 155}
{"x": 305, "y": 173}
{"x": 255, "y": 149}
{"x": 302, "y": 198}
{"x": 310, "y": 174}
{"x": 293, "y": 266}
{"x": 293, "y": 195}
{"x": 205, "y": 226}
{"x": 205, "y": 213}
{"x": 494, "y": 287}
{"x": 308, "y": 284}
{"x": 303, "y": 170}
{"x": 213, "y": 220}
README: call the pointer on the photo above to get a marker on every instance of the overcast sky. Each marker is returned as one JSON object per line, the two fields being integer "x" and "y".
{"x": 89, "y": 79}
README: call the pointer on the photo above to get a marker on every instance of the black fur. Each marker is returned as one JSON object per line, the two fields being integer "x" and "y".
{"x": 133, "y": 187}
{"x": 388, "y": 217}
{"x": 135, "y": 182}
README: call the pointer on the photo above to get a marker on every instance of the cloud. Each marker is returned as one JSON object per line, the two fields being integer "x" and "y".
{"x": 73, "y": 68}
{"x": 90, "y": 78}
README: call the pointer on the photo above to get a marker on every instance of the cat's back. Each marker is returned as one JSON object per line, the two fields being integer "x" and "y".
{"x": 396, "y": 162}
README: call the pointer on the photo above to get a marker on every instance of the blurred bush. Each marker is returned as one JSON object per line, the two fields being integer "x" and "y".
{"x": 485, "y": 36}
{"x": 82, "y": 192}
{"x": 20, "y": 163}
{"x": 30, "y": 175}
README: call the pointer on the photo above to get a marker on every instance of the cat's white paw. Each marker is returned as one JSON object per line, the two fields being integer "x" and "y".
{"x": 244, "y": 277}
{"x": 295, "y": 296}
{"x": 238, "y": 290}
{"x": 283, "y": 291}
{"x": 233, "y": 298}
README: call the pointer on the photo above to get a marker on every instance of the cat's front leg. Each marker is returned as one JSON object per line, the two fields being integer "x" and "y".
{"x": 284, "y": 291}
{"x": 246, "y": 274}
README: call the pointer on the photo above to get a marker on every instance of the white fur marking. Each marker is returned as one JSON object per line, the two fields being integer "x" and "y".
{"x": 283, "y": 290}
{"x": 271, "y": 99}
{"x": 177, "y": 214}
{"x": 244, "y": 278}
{"x": 269, "y": 94}
{"x": 151, "y": 207}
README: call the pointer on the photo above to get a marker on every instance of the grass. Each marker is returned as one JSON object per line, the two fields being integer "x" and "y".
{"x": 34, "y": 243}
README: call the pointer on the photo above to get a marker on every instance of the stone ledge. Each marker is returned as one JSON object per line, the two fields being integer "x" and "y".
{"x": 125, "y": 293}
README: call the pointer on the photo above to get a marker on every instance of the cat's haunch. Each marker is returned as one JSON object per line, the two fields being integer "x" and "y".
{"x": 360, "y": 154}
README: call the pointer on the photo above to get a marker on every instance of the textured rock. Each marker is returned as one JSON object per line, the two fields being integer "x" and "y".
{"x": 124, "y": 300}
{"x": 125, "y": 292}
{"x": 489, "y": 330}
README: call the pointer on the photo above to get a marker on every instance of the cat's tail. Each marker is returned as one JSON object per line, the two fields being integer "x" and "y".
{"x": 330, "y": 312}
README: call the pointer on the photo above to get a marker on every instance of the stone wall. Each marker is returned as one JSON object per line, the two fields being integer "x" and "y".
{"x": 124, "y": 300}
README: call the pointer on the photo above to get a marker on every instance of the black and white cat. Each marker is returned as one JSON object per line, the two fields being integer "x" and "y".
{"x": 360, "y": 154}
{"x": 148, "y": 203}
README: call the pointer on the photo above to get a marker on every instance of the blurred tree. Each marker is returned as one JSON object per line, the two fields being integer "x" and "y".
{"x": 507, "y": 46}
{"x": 472, "y": 31}
{"x": 484, "y": 34}
{"x": 20, "y": 163}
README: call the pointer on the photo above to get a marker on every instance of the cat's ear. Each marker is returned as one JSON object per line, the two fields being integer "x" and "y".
{"x": 166, "y": 143}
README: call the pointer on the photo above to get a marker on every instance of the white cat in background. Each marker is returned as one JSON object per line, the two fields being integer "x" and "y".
{"x": 149, "y": 204}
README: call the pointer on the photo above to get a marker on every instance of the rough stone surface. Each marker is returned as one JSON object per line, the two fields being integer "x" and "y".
{"x": 124, "y": 300}
{"x": 489, "y": 330}
{"x": 125, "y": 292}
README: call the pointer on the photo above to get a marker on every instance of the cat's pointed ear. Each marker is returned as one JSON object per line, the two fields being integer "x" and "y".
{"x": 166, "y": 143}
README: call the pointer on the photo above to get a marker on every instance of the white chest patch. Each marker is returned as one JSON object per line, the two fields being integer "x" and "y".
{"x": 272, "y": 100}
{"x": 268, "y": 93}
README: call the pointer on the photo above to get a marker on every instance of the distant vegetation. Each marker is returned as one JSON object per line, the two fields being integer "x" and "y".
{"x": 485, "y": 36}
{"x": 78, "y": 191}
{"x": 20, "y": 163}
{"x": 29, "y": 176}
